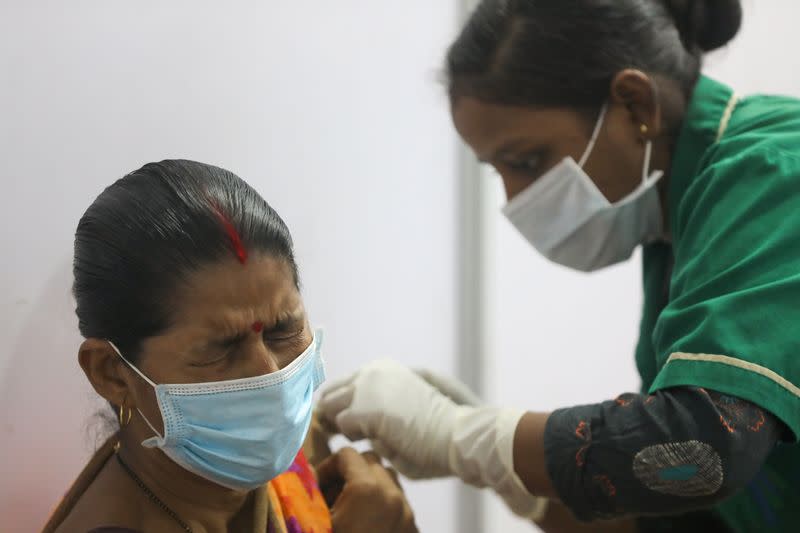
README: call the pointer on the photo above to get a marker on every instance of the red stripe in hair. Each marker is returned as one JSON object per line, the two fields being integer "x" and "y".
{"x": 233, "y": 235}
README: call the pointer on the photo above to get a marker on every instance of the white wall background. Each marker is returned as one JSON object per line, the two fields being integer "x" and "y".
{"x": 561, "y": 338}
{"x": 332, "y": 110}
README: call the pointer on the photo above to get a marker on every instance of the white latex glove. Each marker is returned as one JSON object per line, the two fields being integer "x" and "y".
{"x": 425, "y": 434}
{"x": 450, "y": 387}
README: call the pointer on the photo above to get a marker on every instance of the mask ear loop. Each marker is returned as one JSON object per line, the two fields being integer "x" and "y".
{"x": 595, "y": 134}
{"x": 148, "y": 380}
{"x": 648, "y": 152}
{"x": 131, "y": 365}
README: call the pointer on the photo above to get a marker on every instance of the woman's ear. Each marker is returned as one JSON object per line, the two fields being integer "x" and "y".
{"x": 639, "y": 94}
{"x": 104, "y": 370}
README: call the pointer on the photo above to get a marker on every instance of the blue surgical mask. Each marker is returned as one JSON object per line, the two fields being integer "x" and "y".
{"x": 239, "y": 433}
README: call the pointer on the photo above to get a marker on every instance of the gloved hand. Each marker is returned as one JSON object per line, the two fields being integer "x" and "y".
{"x": 425, "y": 434}
{"x": 450, "y": 387}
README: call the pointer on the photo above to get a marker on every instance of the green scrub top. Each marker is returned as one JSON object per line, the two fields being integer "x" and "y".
{"x": 722, "y": 301}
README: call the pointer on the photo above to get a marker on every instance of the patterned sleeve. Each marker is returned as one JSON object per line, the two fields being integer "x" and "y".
{"x": 672, "y": 452}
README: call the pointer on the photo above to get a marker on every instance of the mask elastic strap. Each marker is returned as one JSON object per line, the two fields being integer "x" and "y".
{"x": 146, "y": 421}
{"x": 131, "y": 365}
{"x": 648, "y": 152}
{"x": 148, "y": 380}
{"x": 595, "y": 134}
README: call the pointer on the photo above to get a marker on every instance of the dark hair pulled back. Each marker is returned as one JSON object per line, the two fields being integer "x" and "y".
{"x": 142, "y": 237}
{"x": 566, "y": 52}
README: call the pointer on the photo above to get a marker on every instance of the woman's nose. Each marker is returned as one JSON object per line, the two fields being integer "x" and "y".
{"x": 260, "y": 359}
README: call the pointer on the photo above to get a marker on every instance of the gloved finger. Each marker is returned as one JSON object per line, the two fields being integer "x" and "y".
{"x": 406, "y": 468}
{"x": 450, "y": 387}
{"x": 383, "y": 450}
{"x": 409, "y": 469}
{"x": 332, "y": 404}
{"x": 333, "y": 386}
{"x": 326, "y": 425}
{"x": 351, "y": 425}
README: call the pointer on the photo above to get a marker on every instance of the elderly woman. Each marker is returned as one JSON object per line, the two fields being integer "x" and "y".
{"x": 188, "y": 296}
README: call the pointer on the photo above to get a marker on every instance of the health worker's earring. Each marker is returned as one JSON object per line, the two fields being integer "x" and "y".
{"x": 125, "y": 414}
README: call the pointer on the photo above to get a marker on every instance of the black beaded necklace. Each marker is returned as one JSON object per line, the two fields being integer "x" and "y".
{"x": 172, "y": 514}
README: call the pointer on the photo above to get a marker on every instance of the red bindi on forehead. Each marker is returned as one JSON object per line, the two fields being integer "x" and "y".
{"x": 257, "y": 326}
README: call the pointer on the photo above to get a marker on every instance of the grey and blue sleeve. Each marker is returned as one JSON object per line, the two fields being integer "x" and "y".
{"x": 673, "y": 452}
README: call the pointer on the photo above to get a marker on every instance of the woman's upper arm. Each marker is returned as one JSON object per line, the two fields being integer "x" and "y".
{"x": 731, "y": 322}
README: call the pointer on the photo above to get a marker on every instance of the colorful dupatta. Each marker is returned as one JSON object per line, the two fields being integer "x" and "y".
{"x": 296, "y": 504}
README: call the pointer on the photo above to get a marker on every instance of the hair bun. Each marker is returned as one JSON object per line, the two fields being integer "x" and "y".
{"x": 706, "y": 24}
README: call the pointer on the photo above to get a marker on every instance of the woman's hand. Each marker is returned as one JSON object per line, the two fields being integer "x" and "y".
{"x": 363, "y": 495}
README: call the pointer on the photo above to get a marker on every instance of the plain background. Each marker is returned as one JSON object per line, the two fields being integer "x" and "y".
{"x": 334, "y": 112}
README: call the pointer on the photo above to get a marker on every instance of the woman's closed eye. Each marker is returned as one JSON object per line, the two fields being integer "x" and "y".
{"x": 215, "y": 358}
{"x": 282, "y": 336}
{"x": 221, "y": 351}
{"x": 285, "y": 339}
{"x": 287, "y": 346}
{"x": 285, "y": 331}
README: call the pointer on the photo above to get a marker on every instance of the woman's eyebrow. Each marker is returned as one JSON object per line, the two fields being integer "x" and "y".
{"x": 283, "y": 322}
{"x": 286, "y": 321}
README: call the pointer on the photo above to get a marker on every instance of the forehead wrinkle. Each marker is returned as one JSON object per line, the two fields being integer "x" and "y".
{"x": 242, "y": 321}
{"x": 227, "y": 298}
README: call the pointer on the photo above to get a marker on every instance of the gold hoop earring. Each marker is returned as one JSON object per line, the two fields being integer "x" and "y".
{"x": 124, "y": 420}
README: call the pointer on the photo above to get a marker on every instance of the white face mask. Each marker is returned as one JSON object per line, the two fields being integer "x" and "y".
{"x": 565, "y": 216}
